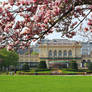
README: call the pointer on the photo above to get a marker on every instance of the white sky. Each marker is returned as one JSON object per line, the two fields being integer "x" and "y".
{"x": 56, "y": 35}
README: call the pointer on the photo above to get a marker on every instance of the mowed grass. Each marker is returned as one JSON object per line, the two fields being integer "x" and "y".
{"x": 45, "y": 84}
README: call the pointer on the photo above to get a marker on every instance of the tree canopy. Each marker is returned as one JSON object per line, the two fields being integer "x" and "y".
{"x": 24, "y": 21}
{"x": 8, "y": 58}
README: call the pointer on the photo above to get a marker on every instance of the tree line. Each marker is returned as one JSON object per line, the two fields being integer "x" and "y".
{"x": 8, "y": 59}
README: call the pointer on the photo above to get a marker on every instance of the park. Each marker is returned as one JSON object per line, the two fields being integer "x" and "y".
{"x": 55, "y": 65}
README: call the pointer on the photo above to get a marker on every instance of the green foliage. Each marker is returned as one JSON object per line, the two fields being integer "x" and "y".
{"x": 42, "y": 65}
{"x": 90, "y": 66}
{"x": 73, "y": 65}
{"x": 8, "y": 57}
{"x": 25, "y": 67}
{"x": 34, "y": 53}
{"x": 71, "y": 71}
{"x": 26, "y": 53}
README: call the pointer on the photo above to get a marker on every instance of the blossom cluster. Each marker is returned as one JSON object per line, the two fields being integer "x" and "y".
{"x": 24, "y": 21}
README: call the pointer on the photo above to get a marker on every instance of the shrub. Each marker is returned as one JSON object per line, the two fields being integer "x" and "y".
{"x": 26, "y": 67}
{"x": 42, "y": 65}
{"x": 90, "y": 66}
{"x": 73, "y": 65}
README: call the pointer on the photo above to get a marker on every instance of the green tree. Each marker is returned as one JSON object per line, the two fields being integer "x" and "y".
{"x": 34, "y": 53}
{"x": 9, "y": 58}
{"x": 42, "y": 65}
{"x": 26, "y": 67}
{"x": 90, "y": 66}
{"x": 73, "y": 65}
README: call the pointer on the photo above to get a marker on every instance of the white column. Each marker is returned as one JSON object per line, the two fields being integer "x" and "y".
{"x": 47, "y": 63}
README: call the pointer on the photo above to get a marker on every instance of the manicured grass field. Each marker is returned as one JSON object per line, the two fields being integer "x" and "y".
{"x": 45, "y": 83}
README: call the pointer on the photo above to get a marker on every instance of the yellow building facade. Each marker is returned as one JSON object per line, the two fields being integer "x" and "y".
{"x": 60, "y": 51}
{"x": 28, "y": 58}
{"x": 31, "y": 60}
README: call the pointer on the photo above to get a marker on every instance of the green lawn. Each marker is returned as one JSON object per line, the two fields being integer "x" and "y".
{"x": 45, "y": 83}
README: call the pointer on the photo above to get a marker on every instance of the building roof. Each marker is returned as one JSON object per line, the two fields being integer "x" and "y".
{"x": 59, "y": 42}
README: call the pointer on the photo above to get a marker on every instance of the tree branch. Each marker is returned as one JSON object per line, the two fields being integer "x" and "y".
{"x": 81, "y": 21}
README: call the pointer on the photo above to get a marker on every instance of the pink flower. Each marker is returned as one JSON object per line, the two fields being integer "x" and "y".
{"x": 90, "y": 6}
{"x": 9, "y": 47}
{"x": 17, "y": 42}
{"x": 73, "y": 33}
{"x": 66, "y": 1}
{"x": 1, "y": 38}
{"x": 86, "y": 29}
{"x": 43, "y": 25}
{"x": 25, "y": 31}
{"x": 1, "y": 10}
{"x": 46, "y": 21}
{"x": 89, "y": 23}
{"x": 35, "y": 1}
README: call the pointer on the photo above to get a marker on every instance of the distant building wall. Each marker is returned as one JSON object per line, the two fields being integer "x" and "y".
{"x": 60, "y": 51}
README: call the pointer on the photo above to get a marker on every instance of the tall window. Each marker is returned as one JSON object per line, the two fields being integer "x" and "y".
{"x": 55, "y": 53}
{"x": 65, "y": 53}
{"x": 69, "y": 53}
{"x": 60, "y": 53}
{"x": 50, "y": 53}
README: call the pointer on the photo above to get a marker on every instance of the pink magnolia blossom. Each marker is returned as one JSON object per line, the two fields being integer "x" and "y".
{"x": 86, "y": 29}
{"x": 9, "y": 47}
{"x": 1, "y": 10}
{"x": 39, "y": 18}
{"x": 25, "y": 31}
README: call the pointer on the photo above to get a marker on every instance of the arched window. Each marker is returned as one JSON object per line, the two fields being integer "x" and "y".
{"x": 65, "y": 53}
{"x": 50, "y": 53}
{"x": 55, "y": 53}
{"x": 69, "y": 53}
{"x": 59, "y": 53}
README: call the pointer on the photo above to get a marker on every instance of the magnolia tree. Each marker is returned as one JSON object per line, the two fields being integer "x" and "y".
{"x": 24, "y": 21}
